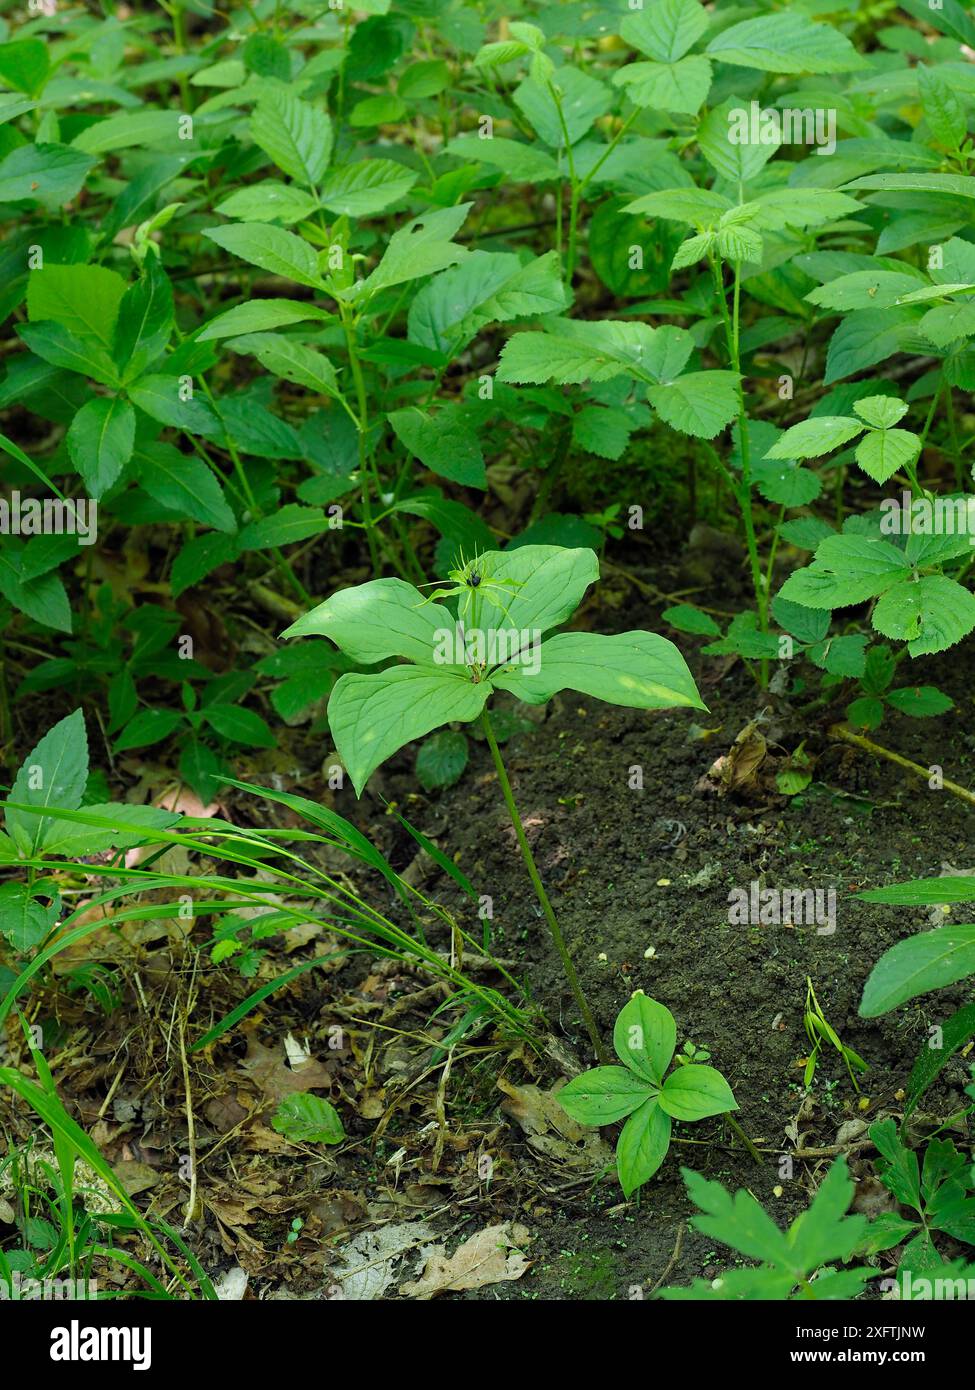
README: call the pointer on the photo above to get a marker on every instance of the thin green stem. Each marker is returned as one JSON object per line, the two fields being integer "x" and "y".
{"x": 363, "y": 423}
{"x": 744, "y": 487}
{"x": 540, "y": 893}
{"x": 574, "y": 189}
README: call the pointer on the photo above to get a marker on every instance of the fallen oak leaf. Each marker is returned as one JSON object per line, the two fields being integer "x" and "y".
{"x": 490, "y": 1257}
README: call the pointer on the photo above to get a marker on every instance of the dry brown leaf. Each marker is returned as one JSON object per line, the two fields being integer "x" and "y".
{"x": 490, "y": 1257}
{"x": 276, "y": 1079}
{"x": 550, "y": 1131}
{"x": 738, "y": 768}
{"x": 136, "y": 1177}
{"x": 538, "y": 1111}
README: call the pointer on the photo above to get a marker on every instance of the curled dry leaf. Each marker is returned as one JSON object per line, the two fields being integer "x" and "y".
{"x": 550, "y": 1131}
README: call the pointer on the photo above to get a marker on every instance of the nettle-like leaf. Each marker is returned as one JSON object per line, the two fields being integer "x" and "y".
{"x": 100, "y": 441}
{"x": 700, "y": 403}
{"x": 259, "y": 316}
{"x": 671, "y": 81}
{"x": 645, "y": 1037}
{"x": 53, "y": 778}
{"x": 444, "y": 442}
{"x": 787, "y": 42}
{"x": 791, "y": 1262}
{"x": 420, "y": 248}
{"x": 495, "y": 642}
{"x": 519, "y": 160}
{"x": 295, "y": 134}
{"x": 667, "y": 30}
{"x": 49, "y": 174}
{"x": 681, "y": 87}
{"x": 882, "y": 451}
{"x": 271, "y": 249}
{"x": 571, "y": 352}
{"x": 698, "y": 207}
{"x": 483, "y": 288}
{"x": 930, "y": 612}
{"x": 563, "y": 107}
{"x": 291, "y": 360}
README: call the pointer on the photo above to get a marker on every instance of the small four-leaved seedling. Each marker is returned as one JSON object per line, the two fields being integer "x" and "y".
{"x": 645, "y": 1038}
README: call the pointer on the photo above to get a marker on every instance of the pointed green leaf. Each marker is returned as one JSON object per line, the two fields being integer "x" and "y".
{"x": 372, "y": 622}
{"x": 100, "y": 441}
{"x": 694, "y": 1092}
{"x": 645, "y": 1036}
{"x": 639, "y": 670}
{"x": 603, "y": 1095}
{"x": 642, "y": 1146}
{"x": 371, "y": 717}
{"x": 53, "y": 774}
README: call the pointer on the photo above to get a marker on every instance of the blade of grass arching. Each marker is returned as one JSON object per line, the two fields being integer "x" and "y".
{"x": 9, "y": 447}
{"x": 202, "y": 1278}
{"x": 122, "y": 1222}
{"x": 63, "y": 1152}
{"x": 122, "y": 1257}
{"x": 140, "y": 880}
{"x": 242, "y": 1009}
{"x": 447, "y": 864}
{"x": 66, "y": 939}
{"x": 328, "y": 820}
{"x": 189, "y": 843}
{"x": 401, "y": 944}
{"x": 405, "y": 945}
{"x": 51, "y": 1111}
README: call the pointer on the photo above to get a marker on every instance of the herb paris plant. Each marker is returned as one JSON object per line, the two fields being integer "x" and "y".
{"x": 453, "y": 668}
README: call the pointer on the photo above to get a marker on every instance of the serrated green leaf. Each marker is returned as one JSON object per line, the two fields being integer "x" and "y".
{"x": 100, "y": 441}
{"x": 295, "y": 134}
{"x": 701, "y": 404}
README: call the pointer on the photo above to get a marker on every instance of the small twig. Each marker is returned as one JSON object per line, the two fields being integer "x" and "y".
{"x": 734, "y": 1125}
{"x": 192, "y": 1209}
{"x": 673, "y": 1259}
{"x": 832, "y": 1150}
{"x": 840, "y": 731}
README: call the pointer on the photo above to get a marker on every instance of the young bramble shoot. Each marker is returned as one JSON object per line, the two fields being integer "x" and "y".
{"x": 641, "y": 1092}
